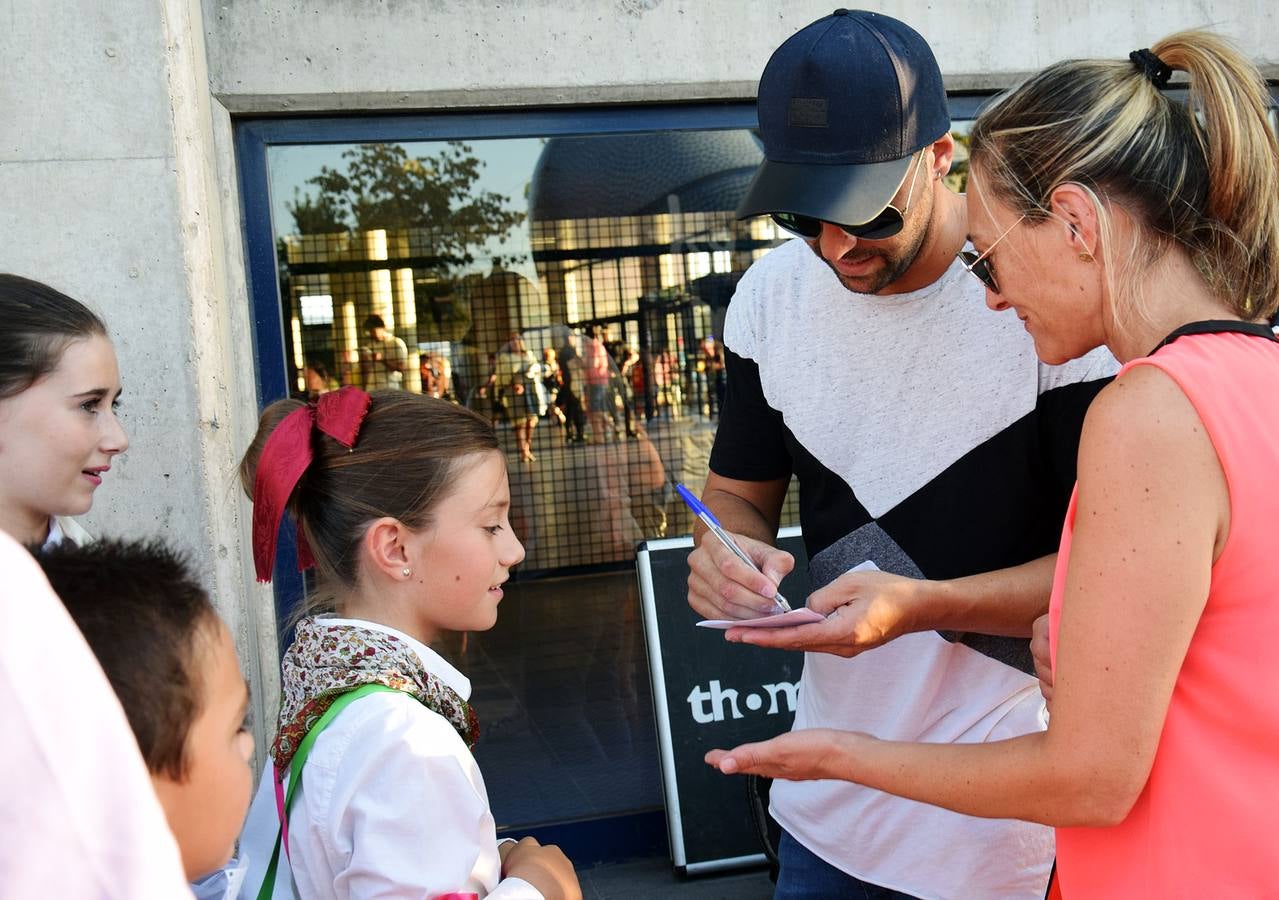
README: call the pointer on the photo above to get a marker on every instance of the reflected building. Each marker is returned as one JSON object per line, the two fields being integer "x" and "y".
{"x": 629, "y": 236}
{"x": 638, "y": 232}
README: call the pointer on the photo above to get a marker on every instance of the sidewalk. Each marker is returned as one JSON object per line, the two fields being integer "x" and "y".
{"x": 654, "y": 879}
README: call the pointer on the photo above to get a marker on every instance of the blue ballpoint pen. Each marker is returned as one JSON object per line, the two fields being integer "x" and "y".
{"x": 712, "y": 523}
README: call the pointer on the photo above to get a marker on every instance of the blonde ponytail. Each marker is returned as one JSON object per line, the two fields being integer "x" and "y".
{"x": 1229, "y": 103}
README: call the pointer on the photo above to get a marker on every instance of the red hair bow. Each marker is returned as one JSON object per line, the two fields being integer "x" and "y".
{"x": 286, "y": 455}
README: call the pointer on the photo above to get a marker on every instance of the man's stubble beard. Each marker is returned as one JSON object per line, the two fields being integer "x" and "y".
{"x": 896, "y": 266}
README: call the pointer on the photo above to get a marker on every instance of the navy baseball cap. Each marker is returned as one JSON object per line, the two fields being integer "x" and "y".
{"x": 843, "y": 105}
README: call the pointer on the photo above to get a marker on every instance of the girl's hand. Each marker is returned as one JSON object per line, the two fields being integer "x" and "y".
{"x": 544, "y": 867}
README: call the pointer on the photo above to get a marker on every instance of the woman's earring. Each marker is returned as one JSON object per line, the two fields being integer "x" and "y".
{"x": 1085, "y": 256}
{"x": 406, "y": 571}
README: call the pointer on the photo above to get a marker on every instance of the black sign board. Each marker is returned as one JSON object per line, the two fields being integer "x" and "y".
{"x": 709, "y": 693}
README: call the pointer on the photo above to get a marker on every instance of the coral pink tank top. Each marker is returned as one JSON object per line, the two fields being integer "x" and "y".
{"x": 1207, "y": 822}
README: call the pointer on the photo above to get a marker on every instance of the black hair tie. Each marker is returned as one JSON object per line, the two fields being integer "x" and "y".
{"x": 1151, "y": 66}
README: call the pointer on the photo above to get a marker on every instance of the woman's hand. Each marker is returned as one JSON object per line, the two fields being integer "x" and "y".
{"x": 1043, "y": 658}
{"x": 809, "y": 754}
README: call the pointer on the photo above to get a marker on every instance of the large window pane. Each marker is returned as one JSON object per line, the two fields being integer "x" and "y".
{"x": 575, "y": 283}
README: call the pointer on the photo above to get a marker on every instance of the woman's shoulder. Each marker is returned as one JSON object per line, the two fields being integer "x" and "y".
{"x": 1144, "y": 385}
{"x": 1143, "y": 416}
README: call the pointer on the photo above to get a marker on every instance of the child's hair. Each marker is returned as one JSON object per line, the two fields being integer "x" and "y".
{"x": 401, "y": 466}
{"x": 1203, "y": 176}
{"x": 39, "y": 322}
{"x": 147, "y": 619}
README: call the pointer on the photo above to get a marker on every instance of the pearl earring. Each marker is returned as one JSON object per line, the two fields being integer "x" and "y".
{"x": 406, "y": 571}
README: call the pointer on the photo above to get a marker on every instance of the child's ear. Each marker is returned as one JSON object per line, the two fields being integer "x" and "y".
{"x": 385, "y": 548}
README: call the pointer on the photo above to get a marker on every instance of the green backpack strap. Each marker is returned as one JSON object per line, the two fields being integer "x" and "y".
{"x": 284, "y": 801}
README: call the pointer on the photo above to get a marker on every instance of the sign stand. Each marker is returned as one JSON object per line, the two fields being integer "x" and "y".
{"x": 708, "y": 693}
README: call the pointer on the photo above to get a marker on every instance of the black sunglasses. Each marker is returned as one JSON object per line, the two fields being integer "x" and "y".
{"x": 887, "y": 223}
{"x": 979, "y": 263}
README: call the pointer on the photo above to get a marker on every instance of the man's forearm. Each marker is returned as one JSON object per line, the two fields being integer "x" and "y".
{"x": 738, "y": 516}
{"x": 1003, "y": 602}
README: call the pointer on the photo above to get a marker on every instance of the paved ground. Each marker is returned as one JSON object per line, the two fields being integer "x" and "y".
{"x": 654, "y": 879}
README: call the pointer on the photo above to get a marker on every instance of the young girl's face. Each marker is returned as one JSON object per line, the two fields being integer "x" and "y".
{"x": 461, "y": 561}
{"x": 206, "y": 807}
{"x": 58, "y": 437}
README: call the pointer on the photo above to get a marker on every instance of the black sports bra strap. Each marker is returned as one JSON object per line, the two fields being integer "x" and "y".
{"x": 1214, "y": 326}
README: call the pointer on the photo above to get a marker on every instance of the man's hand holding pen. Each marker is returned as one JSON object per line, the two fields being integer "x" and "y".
{"x": 721, "y": 586}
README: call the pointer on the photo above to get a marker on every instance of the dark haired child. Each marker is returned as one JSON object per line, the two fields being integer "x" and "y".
{"x": 172, "y": 663}
{"x": 402, "y": 503}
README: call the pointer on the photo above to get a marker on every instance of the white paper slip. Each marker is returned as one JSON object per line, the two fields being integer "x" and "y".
{"x": 802, "y": 616}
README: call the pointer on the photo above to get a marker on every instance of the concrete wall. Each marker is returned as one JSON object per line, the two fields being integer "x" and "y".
{"x": 118, "y": 180}
{"x": 295, "y": 55}
{"x": 110, "y": 167}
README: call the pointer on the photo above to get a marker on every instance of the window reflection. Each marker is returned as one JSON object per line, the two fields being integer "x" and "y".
{"x": 609, "y": 259}
{"x": 572, "y": 290}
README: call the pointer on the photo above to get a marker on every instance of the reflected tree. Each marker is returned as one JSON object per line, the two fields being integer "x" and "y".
{"x": 316, "y": 215}
{"x": 957, "y": 178}
{"x": 382, "y": 186}
{"x": 436, "y": 198}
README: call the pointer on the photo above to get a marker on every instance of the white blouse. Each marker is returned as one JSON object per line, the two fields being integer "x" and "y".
{"x": 391, "y": 805}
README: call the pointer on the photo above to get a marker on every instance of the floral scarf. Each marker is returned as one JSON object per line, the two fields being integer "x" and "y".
{"x": 326, "y": 661}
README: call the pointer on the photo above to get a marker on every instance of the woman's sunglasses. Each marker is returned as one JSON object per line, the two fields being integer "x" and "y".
{"x": 979, "y": 263}
{"x": 886, "y": 224}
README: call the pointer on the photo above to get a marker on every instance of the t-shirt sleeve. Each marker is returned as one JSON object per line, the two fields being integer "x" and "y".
{"x": 750, "y": 444}
{"x": 1061, "y": 414}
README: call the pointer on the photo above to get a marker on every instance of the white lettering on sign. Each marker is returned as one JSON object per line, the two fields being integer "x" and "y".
{"x": 715, "y": 703}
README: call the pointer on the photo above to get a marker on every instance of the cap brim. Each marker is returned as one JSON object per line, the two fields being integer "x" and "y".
{"x": 845, "y": 195}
